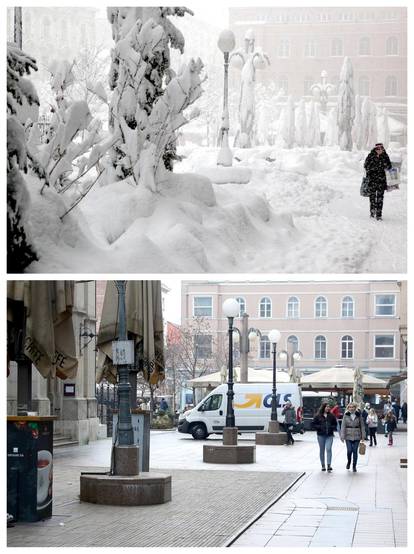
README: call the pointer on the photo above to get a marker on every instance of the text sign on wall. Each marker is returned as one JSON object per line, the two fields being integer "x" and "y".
{"x": 123, "y": 352}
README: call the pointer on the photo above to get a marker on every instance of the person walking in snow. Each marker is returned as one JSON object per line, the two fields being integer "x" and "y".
{"x": 325, "y": 424}
{"x": 375, "y": 165}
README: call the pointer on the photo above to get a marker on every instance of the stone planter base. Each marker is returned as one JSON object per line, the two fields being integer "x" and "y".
{"x": 117, "y": 490}
{"x": 271, "y": 438}
{"x": 225, "y": 454}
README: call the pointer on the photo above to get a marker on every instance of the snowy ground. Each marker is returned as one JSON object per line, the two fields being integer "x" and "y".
{"x": 300, "y": 212}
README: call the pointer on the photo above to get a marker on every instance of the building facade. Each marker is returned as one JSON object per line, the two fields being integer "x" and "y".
{"x": 352, "y": 323}
{"x": 303, "y": 41}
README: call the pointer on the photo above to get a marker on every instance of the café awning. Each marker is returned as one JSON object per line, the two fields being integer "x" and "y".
{"x": 341, "y": 378}
{"x": 254, "y": 376}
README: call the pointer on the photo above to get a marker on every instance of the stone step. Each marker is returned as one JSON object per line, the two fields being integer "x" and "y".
{"x": 62, "y": 440}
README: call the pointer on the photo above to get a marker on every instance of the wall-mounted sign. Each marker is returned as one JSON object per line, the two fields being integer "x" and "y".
{"x": 68, "y": 389}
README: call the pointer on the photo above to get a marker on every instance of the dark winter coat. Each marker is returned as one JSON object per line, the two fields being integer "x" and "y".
{"x": 375, "y": 167}
{"x": 391, "y": 424}
{"x": 325, "y": 426}
{"x": 353, "y": 429}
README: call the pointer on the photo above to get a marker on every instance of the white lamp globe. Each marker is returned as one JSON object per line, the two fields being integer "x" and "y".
{"x": 274, "y": 336}
{"x": 283, "y": 355}
{"x": 236, "y": 337}
{"x": 253, "y": 336}
{"x": 226, "y": 41}
{"x": 231, "y": 307}
{"x": 297, "y": 356}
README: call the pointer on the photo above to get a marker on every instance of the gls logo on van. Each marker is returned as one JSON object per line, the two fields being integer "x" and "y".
{"x": 256, "y": 400}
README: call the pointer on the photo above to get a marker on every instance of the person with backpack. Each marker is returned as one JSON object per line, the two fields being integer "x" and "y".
{"x": 352, "y": 432}
{"x": 372, "y": 423}
{"x": 290, "y": 420}
{"x": 325, "y": 424}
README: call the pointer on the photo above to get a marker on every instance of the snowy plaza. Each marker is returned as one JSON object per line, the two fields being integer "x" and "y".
{"x": 123, "y": 154}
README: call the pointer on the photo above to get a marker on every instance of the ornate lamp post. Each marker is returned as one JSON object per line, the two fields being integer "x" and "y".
{"x": 322, "y": 90}
{"x": 226, "y": 43}
{"x": 274, "y": 337}
{"x": 291, "y": 358}
{"x": 230, "y": 310}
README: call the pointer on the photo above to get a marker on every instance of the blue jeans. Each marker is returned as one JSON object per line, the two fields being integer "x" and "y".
{"x": 352, "y": 451}
{"x": 325, "y": 443}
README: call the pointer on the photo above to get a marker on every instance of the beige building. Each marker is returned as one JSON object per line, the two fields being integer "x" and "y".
{"x": 353, "y": 323}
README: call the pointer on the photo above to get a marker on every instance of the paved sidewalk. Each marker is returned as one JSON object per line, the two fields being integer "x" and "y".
{"x": 342, "y": 508}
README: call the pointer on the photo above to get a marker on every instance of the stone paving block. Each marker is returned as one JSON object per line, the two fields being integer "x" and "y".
{"x": 296, "y": 531}
{"x": 279, "y": 541}
{"x": 253, "y": 540}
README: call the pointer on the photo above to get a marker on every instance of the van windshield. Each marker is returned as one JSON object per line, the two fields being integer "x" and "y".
{"x": 213, "y": 402}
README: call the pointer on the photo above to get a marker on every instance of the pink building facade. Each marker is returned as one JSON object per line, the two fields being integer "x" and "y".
{"x": 353, "y": 323}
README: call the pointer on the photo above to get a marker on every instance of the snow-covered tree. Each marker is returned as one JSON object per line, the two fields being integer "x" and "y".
{"x": 287, "y": 129}
{"x": 252, "y": 58}
{"x": 346, "y": 105}
{"x": 139, "y": 76}
{"x": 331, "y": 137}
{"x": 301, "y": 124}
{"x": 20, "y": 92}
{"x": 314, "y": 125}
{"x": 369, "y": 132}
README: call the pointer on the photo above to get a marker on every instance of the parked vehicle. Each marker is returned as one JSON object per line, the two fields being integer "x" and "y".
{"x": 252, "y": 407}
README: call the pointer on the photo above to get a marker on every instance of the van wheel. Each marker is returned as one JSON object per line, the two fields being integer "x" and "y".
{"x": 199, "y": 432}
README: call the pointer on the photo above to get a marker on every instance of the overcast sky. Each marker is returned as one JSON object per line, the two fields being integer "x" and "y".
{"x": 173, "y": 300}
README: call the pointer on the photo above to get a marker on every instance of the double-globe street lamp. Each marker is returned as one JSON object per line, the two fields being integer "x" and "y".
{"x": 291, "y": 358}
{"x": 226, "y": 43}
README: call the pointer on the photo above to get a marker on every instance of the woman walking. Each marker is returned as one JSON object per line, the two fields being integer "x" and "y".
{"x": 372, "y": 422}
{"x": 375, "y": 165}
{"x": 352, "y": 432}
{"x": 290, "y": 419}
{"x": 325, "y": 424}
{"x": 391, "y": 423}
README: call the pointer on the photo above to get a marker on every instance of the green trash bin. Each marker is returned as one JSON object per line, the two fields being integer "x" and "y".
{"x": 29, "y": 467}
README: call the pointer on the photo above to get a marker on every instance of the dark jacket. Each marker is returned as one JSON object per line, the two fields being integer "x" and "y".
{"x": 391, "y": 424}
{"x": 375, "y": 167}
{"x": 290, "y": 415}
{"x": 352, "y": 429}
{"x": 324, "y": 426}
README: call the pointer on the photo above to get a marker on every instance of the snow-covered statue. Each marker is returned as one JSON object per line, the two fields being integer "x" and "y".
{"x": 248, "y": 59}
{"x": 346, "y": 105}
{"x": 369, "y": 131}
{"x": 148, "y": 98}
{"x": 322, "y": 90}
{"x": 20, "y": 95}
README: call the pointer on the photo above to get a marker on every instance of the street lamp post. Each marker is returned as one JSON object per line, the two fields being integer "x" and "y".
{"x": 274, "y": 337}
{"x": 230, "y": 310}
{"x": 226, "y": 43}
{"x": 291, "y": 358}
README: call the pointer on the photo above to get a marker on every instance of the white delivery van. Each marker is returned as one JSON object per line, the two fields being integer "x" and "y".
{"x": 252, "y": 404}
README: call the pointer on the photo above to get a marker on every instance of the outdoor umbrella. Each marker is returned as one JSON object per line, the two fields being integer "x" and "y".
{"x": 144, "y": 326}
{"x": 254, "y": 376}
{"x": 358, "y": 390}
{"x": 340, "y": 378}
{"x": 39, "y": 316}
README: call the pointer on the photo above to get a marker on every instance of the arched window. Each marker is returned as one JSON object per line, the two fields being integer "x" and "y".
{"x": 337, "y": 47}
{"x": 307, "y": 83}
{"x": 283, "y": 83}
{"x": 264, "y": 347}
{"x": 310, "y": 48}
{"x": 347, "y": 307}
{"x": 242, "y": 306}
{"x": 293, "y": 343}
{"x": 391, "y": 48}
{"x": 265, "y": 308}
{"x": 391, "y": 86}
{"x": 347, "y": 347}
{"x": 364, "y": 46}
{"x": 364, "y": 85}
{"x": 321, "y": 307}
{"x": 46, "y": 28}
{"x": 284, "y": 49}
{"x": 293, "y": 307}
{"x": 320, "y": 348}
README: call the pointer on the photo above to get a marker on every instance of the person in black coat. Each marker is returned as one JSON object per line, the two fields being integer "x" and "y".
{"x": 325, "y": 424}
{"x": 375, "y": 165}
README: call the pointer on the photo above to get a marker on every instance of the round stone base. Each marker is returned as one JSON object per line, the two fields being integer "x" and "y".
{"x": 133, "y": 490}
{"x": 225, "y": 454}
{"x": 271, "y": 438}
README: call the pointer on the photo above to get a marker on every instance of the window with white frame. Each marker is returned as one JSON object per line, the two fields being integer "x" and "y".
{"x": 284, "y": 49}
{"x": 307, "y": 83}
{"x": 265, "y": 307}
{"x": 364, "y": 46}
{"x": 264, "y": 351}
{"x": 283, "y": 84}
{"x": 385, "y": 305}
{"x": 347, "y": 307}
{"x": 203, "y": 346}
{"x": 384, "y": 346}
{"x": 310, "y": 48}
{"x": 321, "y": 307}
{"x": 293, "y": 343}
{"x": 391, "y": 48}
{"x": 391, "y": 86}
{"x": 320, "y": 348}
{"x": 242, "y": 305}
{"x": 293, "y": 307}
{"x": 364, "y": 85}
{"x": 203, "y": 306}
{"x": 337, "y": 47}
{"x": 347, "y": 347}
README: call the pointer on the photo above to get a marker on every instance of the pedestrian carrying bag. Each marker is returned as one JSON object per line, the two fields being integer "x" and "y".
{"x": 362, "y": 448}
{"x": 364, "y": 191}
{"x": 393, "y": 179}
